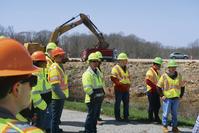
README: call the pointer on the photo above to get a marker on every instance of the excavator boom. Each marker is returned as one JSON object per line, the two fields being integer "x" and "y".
{"x": 83, "y": 20}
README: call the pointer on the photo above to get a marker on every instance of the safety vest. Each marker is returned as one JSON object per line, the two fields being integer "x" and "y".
{"x": 21, "y": 118}
{"x": 14, "y": 126}
{"x": 171, "y": 87}
{"x": 56, "y": 75}
{"x": 91, "y": 82}
{"x": 42, "y": 87}
{"x": 152, "y": 76}
{"x": 119, "y": 73}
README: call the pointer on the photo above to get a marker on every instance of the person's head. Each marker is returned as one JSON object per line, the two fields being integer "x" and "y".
{"x": 157, "y": 62}
{"x": 50, "y": 46}
{"x": 122, "y": 59}
{"x": 172, "y": 65}
{"x": 57, "y": 54}
{"x": 16, "y": 68}
{"x": 93, "y": 60}
{"x": 39, "y": 59}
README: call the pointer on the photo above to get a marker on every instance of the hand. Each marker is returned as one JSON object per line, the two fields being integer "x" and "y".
{"x": 163, "y": 98}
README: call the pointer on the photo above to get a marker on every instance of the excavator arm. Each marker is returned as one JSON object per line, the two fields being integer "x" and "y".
{"x": 83, "y": 20}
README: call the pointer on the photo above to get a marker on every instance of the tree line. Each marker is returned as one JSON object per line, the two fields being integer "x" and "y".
{"x": 75, "y": 43}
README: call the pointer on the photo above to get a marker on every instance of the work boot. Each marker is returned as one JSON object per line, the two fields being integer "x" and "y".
{"x": 165, "y": 129}
{"x": 157, "y": 120}
{"x": 99, "y": 119}
{"x": 175, "y": 130}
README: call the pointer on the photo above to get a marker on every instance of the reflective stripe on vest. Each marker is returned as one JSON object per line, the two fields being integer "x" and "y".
{"x": 152, "y": 76}
{"x": 121, "y": 75}
{"x": 171, "y": 86}
{"x": 9, "y": 126}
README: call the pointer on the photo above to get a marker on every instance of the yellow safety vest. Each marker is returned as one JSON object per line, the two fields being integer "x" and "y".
{"x": 171, "y": 87}
{"x": 21, "y": 118}
{"x": 14, "y": 126}
{"x": 152, "y": 76}
{"x": 91, "y": 82}
{"x": 42, "y": 87}
{"x": 57, "y": 76}
{"x": 119, "y": 73}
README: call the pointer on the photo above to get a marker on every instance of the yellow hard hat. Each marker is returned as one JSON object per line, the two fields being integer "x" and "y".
{"x": 172, "y": 63}
{"x": 158, "y": 60}
{"x": 51, "y": 46}
{"x": 122, "y": 56}
{"x": 99, "y": 54}
{"x": 93, "y": 56}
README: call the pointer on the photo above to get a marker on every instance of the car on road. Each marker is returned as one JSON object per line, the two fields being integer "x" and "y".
{"x": 178, "y": 55}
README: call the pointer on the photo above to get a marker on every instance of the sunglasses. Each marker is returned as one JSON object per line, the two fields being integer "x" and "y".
{"x": 94, "y": 61}
{"x": 32, "y": 80}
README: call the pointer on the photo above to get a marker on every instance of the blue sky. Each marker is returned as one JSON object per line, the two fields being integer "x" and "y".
{"x": 170, "y": 22}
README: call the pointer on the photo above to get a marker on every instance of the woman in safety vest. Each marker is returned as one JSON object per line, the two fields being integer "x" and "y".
{"x": 41, "y": 93}
{"x": 171, "y": 89}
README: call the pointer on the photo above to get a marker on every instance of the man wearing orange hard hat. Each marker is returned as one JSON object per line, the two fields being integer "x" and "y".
{"x": 16, "y": 81}
{"x": 59, "y": 81}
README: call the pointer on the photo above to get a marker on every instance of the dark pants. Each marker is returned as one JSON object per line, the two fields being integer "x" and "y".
{"x": 124, "y": 97}
{"x": 154, "y": 106}
{"x": 99, "y": 109}
{"x": 57, "y": 108}
{"x": 91, "y": 119}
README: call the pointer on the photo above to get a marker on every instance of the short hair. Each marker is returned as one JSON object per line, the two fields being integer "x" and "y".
{"x": 6, "y": 84}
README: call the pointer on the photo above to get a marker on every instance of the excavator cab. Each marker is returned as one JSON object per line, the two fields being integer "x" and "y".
{"x": 101, "y": 46}
{"x": 33, "y": 46}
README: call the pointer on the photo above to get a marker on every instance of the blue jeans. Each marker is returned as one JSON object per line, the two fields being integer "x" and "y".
{"x": 170, "y": 105}
{"x": 57, "y": 108}
{"x": 196, "y": 126}
{"x": 91, "y": 119}
{"x": 124, "y": 97}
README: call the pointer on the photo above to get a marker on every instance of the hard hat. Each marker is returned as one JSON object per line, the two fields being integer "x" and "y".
{"x": 93, "y": 56}
{"x": 99, "y": 54}
{"x": 38, "y": 56}
{"x": 57, "y": 51}
{"x": 122, "y": 56}
{"x": 51, "y": 46}
{"x": 158, "y": 60}
{"x": 172, "y": 63}
{"x": 14, "y": 59}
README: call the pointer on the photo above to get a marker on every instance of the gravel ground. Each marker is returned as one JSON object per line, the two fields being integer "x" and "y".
{"x": 73, "y": 122}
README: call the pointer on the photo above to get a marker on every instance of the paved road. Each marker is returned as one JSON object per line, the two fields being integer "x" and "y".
{"x": 73, "y": 122}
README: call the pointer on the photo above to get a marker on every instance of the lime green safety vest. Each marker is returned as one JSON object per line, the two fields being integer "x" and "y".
{"x": 152, "y": 76}
{"x": 171, "y": 87}
{"x": 42, "y": 87}
{"x": 91, "y": 82}
{"x": 57, "y": 76}
{"x": 14, "y": 126}
{"x": 21, "y": 118}
{"x": 119, "y": 73}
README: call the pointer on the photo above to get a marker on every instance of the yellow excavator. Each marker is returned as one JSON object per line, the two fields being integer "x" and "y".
{"x": 102, "y": 45}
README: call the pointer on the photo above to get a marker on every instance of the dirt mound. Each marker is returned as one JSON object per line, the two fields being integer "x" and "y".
{"x": 138, "y": 70}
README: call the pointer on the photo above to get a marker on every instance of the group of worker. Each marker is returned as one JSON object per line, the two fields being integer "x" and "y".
{"x": 45, "y": 74}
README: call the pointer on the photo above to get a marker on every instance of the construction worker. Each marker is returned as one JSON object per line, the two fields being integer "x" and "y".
{"x": 99, "y": 54}
{"x": 16, "y": 80}
{"x": 59, "y": 81}
{"x": 121, "y": 79}
{"x": 93, "y": 87}
{"x": 151, "y": 79}
{"x": 170, "y": 88}
{"x": 196, "y": 126}
{"x": 41, "y": 93}
{"x": 49, "y": 48}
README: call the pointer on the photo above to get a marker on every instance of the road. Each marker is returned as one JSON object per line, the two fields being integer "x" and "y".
{"x": 73, "y": 122}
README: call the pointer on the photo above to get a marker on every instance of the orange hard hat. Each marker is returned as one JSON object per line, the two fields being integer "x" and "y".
{"x": 57, "y": 51}
{"x": 14, "y": 59}
{"x": 38, "y": 56}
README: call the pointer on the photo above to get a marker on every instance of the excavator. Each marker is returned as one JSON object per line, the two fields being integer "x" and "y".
{"x": 102, "y": 45}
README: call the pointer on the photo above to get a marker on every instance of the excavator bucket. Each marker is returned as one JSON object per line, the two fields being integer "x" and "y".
{"x": 32, "y": 47}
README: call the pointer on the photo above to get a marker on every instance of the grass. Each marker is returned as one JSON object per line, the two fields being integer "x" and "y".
{"x": 139, "y": 115}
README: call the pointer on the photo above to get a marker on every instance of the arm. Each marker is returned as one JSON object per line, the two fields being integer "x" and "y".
{"x": 56, "y": 88}
{"x": 151, "y": 84}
